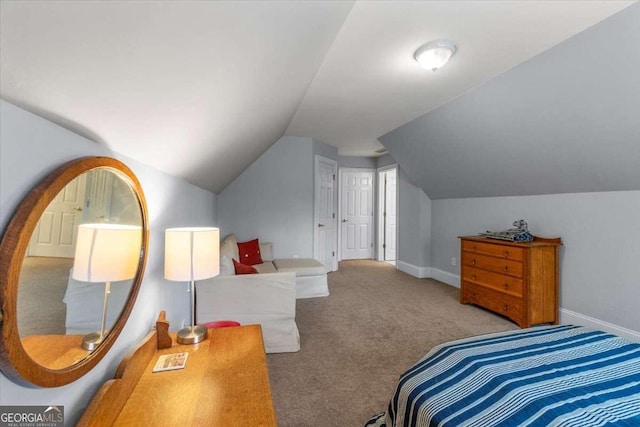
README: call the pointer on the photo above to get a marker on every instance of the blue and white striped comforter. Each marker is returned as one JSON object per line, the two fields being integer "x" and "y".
{"x": 544, "y": 376}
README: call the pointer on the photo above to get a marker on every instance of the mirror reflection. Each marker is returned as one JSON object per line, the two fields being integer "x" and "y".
{"x": 57, "y": 309}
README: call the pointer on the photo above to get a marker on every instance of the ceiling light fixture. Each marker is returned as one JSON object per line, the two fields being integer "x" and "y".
{"x": 436, "y": 54}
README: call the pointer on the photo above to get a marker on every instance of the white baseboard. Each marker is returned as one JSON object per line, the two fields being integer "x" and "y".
{"x": 445, "y": 277}
{"x": 566, "y": 316}
{"x": 419, "y": 272}
{"x": 429, "y": 273}
{"x": 573, "y": 318}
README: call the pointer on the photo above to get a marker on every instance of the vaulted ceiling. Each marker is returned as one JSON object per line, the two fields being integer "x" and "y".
{"x": 565, "y": 121}
{"x": 201, "y": 89}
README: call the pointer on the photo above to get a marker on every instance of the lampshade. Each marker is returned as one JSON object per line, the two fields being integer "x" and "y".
{"x": 191, "y": 253}
{"x": 436, "y": 54}
{"x": 107, "y": 252}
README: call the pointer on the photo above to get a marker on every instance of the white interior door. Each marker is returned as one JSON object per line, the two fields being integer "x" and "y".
{"x": 325, "y": 213}
{"x": 56, "y": 232}
{"x": 98, "y": 196}
{"x": 356, "y": 213}
{"x": 390, "y": 215}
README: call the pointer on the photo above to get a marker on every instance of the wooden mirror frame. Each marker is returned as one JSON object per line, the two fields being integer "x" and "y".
{"x": 15, "y": 362}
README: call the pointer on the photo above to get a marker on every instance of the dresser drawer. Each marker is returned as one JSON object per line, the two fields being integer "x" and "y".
{"x": 501, "y": 251}
{"x": 499, "y": 282}
{"x": 497, "y": 265}
{"x": 506, "y": 305}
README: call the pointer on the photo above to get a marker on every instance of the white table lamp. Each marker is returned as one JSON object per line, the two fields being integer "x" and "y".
{"x": 105, "y": 253}
{"x": 191, "y": 254}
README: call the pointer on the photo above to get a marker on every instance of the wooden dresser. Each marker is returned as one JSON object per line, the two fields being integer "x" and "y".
{"x": 516, "y": 280}
{"x": 224, "y": 383}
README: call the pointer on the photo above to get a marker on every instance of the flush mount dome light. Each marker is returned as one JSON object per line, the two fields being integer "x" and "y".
{"x": 435, "y": 54}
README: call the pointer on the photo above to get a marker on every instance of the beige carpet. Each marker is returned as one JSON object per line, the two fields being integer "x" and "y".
{"x": 355, "y": 343}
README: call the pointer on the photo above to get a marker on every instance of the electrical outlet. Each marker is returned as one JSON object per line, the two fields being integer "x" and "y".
{"x": 454, "y": 261}
{"x": 183, "y": 322}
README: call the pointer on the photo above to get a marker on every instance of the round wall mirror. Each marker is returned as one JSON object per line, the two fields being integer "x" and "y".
{"x": 71, "y": 264}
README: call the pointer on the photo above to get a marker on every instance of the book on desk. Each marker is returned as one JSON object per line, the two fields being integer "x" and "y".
{"x": 170, "y": 362}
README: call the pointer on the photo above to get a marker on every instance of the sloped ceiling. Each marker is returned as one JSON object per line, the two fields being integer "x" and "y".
{"x": 201, "y": 89}
{"x": 568, "y": 120}
{"x": 196, "y": 89}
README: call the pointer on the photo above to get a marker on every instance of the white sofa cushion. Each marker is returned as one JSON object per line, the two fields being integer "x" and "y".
{"x": 266, "y": 251}
{"x": 265, "y": 267}
{"x": 302, "y": 266}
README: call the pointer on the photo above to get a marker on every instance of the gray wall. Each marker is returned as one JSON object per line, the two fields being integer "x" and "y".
{"x": 385, "y": 160}
{"x": 414, "y": 227}
{"x": 325, "y": 150}
{"x": 357, "y": 162}
{"x": 272, "y": 200}
{"x": 414, "y": 223}
{"x": 600, "y": 268}
{"x": 565, "y": 121}
{"x": 31, "y": 147}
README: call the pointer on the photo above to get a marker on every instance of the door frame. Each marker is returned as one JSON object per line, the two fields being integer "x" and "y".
{"x": 380, "y": 210}
{"x": 339, "y": 216}
{"x": 316, "y": 194}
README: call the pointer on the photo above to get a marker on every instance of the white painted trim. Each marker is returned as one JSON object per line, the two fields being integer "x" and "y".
{"x": 571, "y": 317}
{"x": 379, "y": 220}
{"x": 419, "y": 272}
{"x": 445, "y": 277}
{"x": 316, "y": 183}
{"x": 380, "y": 209}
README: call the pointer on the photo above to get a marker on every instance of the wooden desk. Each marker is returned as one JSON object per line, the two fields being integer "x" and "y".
{"x": 225, "y": 383}
{"x": 55, "y": 351}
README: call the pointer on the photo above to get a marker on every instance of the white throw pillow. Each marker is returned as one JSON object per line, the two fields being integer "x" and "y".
{"x": 228, "y": 252}
{"x": 226, "y": 266}
{"x": 229, "y": 247}
{"x": 266, "y": 251}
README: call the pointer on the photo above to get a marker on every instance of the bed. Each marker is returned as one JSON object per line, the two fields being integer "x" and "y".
{"x": 544, "y": 376}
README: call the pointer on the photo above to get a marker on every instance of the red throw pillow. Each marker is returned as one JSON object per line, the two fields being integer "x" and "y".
{"x": 250, "y": 252}
{"x": 243, "y": 269}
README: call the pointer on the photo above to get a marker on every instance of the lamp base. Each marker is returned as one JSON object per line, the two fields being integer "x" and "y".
{"x": 92, "y": 341}
{"x": 192, "y": 336}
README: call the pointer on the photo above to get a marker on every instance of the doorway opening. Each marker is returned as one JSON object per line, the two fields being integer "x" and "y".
{"x": 388, "y": 214}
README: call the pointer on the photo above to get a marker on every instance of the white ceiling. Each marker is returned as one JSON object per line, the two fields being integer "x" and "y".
{"x": 201, "y": 89}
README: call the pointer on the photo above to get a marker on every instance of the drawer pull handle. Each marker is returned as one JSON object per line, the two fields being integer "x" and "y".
{"x": 506, "y": 307}
{"x": 473, "y": 249}
{"x": 506, "y": 286}
{"x": 473, "y": 295}
{"x": 473, "y": 261}
{"x": 506, "y": 268}
{"x": 506, "y": 254}
{"x": 473, "y": 277}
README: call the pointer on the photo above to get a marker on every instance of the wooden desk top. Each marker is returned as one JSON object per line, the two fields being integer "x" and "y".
{"x": 224, "y": 383}
{"x": 55, "y": 351}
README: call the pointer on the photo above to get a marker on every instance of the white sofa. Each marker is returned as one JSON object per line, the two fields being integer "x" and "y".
{"x": 311, "y": 275}
{"x": 84, "y": 303}
{"x": 268, "y": 300}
